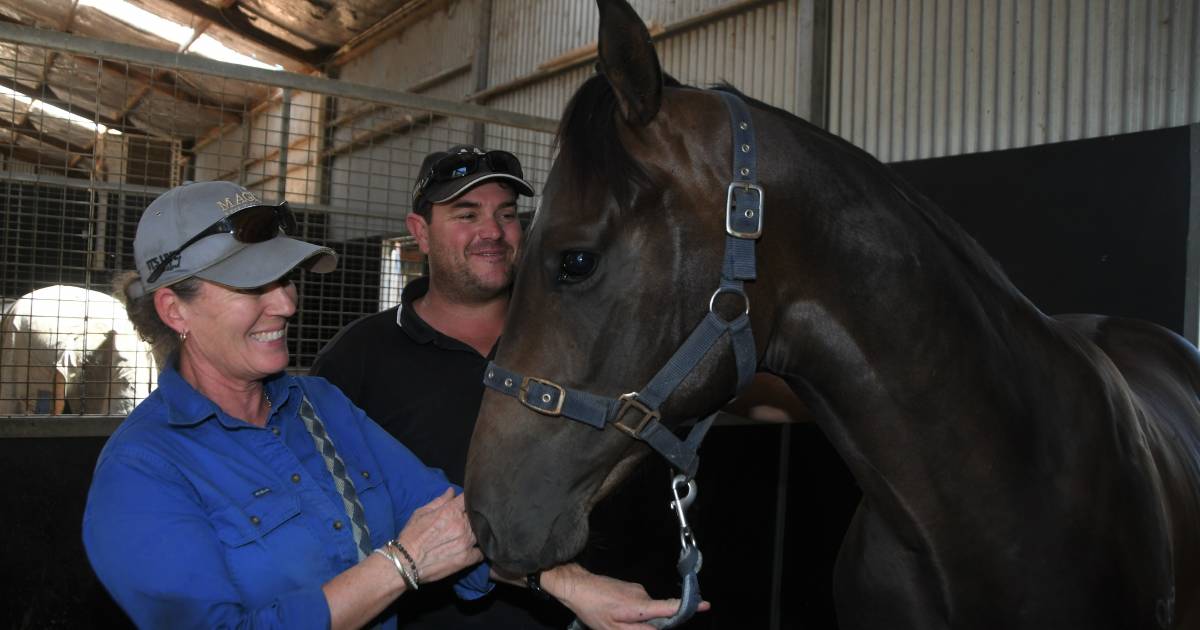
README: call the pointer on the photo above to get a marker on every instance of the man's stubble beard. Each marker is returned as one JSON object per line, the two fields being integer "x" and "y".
{"x": 458, "y": 283}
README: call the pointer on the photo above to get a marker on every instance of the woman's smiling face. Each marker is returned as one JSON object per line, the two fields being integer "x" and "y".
{"x": 240, "y": 334}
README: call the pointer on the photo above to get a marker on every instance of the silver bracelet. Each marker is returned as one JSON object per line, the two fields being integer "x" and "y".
{"x": 408, "y": 579}
{"x": 416, "y": 575}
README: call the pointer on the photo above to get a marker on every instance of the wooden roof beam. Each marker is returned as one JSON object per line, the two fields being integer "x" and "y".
{"x": 159, "y": 82}
{"x": 44, "y": 95}
{"x": 26, "y": 129}
{"x": 232, "y": 18}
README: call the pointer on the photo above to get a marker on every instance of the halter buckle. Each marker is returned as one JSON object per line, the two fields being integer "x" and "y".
{"x": 744, "y": 221}
{"x": 523, "y": 395}
{"x": 628, "y": 401}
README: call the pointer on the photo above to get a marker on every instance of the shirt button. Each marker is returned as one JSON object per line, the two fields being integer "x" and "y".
{"x": 336, "y": 525}
{"x": 295, "y": 478}
{"x": 255, "y": 520}
{"x": 366, "y": 475}
{"x": 275, "y": 430}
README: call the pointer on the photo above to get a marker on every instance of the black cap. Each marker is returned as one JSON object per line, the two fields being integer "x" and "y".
{"x": 441, "y": 192}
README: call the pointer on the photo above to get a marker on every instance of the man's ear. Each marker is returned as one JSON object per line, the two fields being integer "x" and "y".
{"x": 170, "y": 309}
{"x": 419, "y": 228}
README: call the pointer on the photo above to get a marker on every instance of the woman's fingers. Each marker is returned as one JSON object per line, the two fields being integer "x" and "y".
{"x": 439, "y": 537}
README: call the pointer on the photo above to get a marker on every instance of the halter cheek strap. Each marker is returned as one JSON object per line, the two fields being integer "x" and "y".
{"x": 637, "y": 413}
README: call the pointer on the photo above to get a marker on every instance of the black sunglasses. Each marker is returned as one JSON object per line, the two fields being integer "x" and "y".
{"x": 462, "y": 164}
{"x": 252, "y": 225}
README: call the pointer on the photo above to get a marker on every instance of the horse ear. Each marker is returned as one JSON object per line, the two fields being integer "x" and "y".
{"x": 629, "y": 62}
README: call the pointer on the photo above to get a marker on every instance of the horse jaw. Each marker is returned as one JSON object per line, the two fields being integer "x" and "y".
{"x": 619, "y": 473}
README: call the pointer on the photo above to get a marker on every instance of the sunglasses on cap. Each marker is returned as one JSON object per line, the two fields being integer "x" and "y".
{"x": 459, "y": 165}
{"x": 252, "y": 225}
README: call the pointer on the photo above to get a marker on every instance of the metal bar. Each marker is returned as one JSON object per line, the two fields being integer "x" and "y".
{"x": 216, "y": 133}
{"x": 149, "y": 191}
{"x": 285, "y": 124}
{"x": 1191, "y": 298}
{"x": 247, "y": 162}
{"x": 76, "y": 182}
{"x": 58, "y": 426}
{"x": 373, "y": 134}
{"x": 420, "y": 86}
{"x": 483, "y": 54}
{"x": 192, "y": 63}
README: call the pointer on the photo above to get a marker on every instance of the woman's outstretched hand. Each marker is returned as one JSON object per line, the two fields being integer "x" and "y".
{"x": 439, "y": 538}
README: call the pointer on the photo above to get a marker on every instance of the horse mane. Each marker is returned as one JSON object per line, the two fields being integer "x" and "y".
{"x": 961, "y": 245}
{"x": 592, "y": 151}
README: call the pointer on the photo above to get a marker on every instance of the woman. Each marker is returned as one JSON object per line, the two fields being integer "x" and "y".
{"x": 215, "y": 503}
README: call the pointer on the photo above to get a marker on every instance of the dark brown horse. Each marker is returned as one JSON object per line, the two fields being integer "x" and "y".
{"x": 1018, "y": 470}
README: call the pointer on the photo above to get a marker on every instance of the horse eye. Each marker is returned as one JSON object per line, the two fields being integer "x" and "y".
{"x": 576, "y": 266}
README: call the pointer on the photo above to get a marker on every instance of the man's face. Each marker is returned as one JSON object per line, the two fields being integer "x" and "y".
{"x": 472, "y": 242}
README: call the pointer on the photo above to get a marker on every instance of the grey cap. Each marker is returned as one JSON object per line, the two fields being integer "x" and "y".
{"x": 441, "y": 192}
{"x": 185, "y": 211}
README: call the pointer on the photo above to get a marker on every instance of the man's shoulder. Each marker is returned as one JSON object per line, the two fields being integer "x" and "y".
{"x": 367, "y": 330}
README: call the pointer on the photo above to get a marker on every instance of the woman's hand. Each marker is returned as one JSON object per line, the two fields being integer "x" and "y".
{"x": 439, "y": 538}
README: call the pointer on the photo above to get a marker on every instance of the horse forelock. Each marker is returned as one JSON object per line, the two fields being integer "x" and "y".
{"x": 591, "y": 151}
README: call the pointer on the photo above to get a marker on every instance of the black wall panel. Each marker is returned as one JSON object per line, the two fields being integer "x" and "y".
{"x": 1093, "y": 226}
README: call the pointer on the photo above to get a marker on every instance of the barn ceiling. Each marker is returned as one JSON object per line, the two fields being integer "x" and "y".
{"x": 308, "y": 36}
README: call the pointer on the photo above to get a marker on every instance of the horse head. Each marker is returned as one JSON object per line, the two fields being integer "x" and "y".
{"x": 625, "y": 255}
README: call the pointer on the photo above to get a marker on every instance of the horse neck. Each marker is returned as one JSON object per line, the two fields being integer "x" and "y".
{"x": 934, "y": 378}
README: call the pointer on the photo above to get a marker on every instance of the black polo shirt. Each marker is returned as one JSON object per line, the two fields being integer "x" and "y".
{"x": 425, "y": 389}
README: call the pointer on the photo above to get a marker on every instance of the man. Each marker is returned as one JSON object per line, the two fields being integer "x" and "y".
{"x": 417, "y": 370}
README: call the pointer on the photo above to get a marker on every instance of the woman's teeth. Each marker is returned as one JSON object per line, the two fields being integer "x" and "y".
{"x": 271, "y": 335}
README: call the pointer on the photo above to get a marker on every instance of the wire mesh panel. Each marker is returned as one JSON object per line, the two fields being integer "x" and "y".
{"x": 87, "y": 140}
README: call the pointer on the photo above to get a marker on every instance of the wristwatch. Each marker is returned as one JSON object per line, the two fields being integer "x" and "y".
{"x": 534, "y": 582}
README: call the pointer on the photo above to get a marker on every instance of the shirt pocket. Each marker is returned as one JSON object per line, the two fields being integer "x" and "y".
{"x": 376, "y": 502}
{"x": 239, "y": 525}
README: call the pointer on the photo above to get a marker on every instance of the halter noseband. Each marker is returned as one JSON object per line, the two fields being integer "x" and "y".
{"x": 743, "y": 226}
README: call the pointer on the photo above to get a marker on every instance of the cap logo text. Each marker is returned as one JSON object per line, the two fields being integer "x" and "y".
{"x": 228, "y": 204}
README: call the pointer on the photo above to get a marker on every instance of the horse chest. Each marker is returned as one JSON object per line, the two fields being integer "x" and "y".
{"x": 882, "y": 582}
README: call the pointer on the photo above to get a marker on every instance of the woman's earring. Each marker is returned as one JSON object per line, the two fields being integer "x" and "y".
{"x": 183, "y": 336}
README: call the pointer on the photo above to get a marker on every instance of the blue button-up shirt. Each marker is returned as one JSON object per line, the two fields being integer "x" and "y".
{"x": 199, "y": 519}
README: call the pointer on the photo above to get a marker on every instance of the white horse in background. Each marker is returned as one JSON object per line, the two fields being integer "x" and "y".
{"x": 66, "y": 349}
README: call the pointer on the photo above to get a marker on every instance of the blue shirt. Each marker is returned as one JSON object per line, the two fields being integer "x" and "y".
{"x": 198, "y": 519}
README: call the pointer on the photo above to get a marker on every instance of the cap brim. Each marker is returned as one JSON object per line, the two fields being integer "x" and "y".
{"x": 456, "y": 187}
{"x": 263, "y": 263}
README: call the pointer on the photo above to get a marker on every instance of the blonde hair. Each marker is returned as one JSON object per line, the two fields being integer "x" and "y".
{"x": 143, "y": 315}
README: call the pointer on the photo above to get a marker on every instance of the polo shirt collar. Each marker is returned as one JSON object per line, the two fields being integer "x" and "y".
{"x": 418, "y": 329}
{"x": 188, "y": 407}
{"x": 406, "y": 316}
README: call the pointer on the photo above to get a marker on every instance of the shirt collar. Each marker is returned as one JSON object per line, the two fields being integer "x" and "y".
{"x": 188, "y": 407}
{"x": 418, "y": 329}
{"x": 406, "y": 316}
